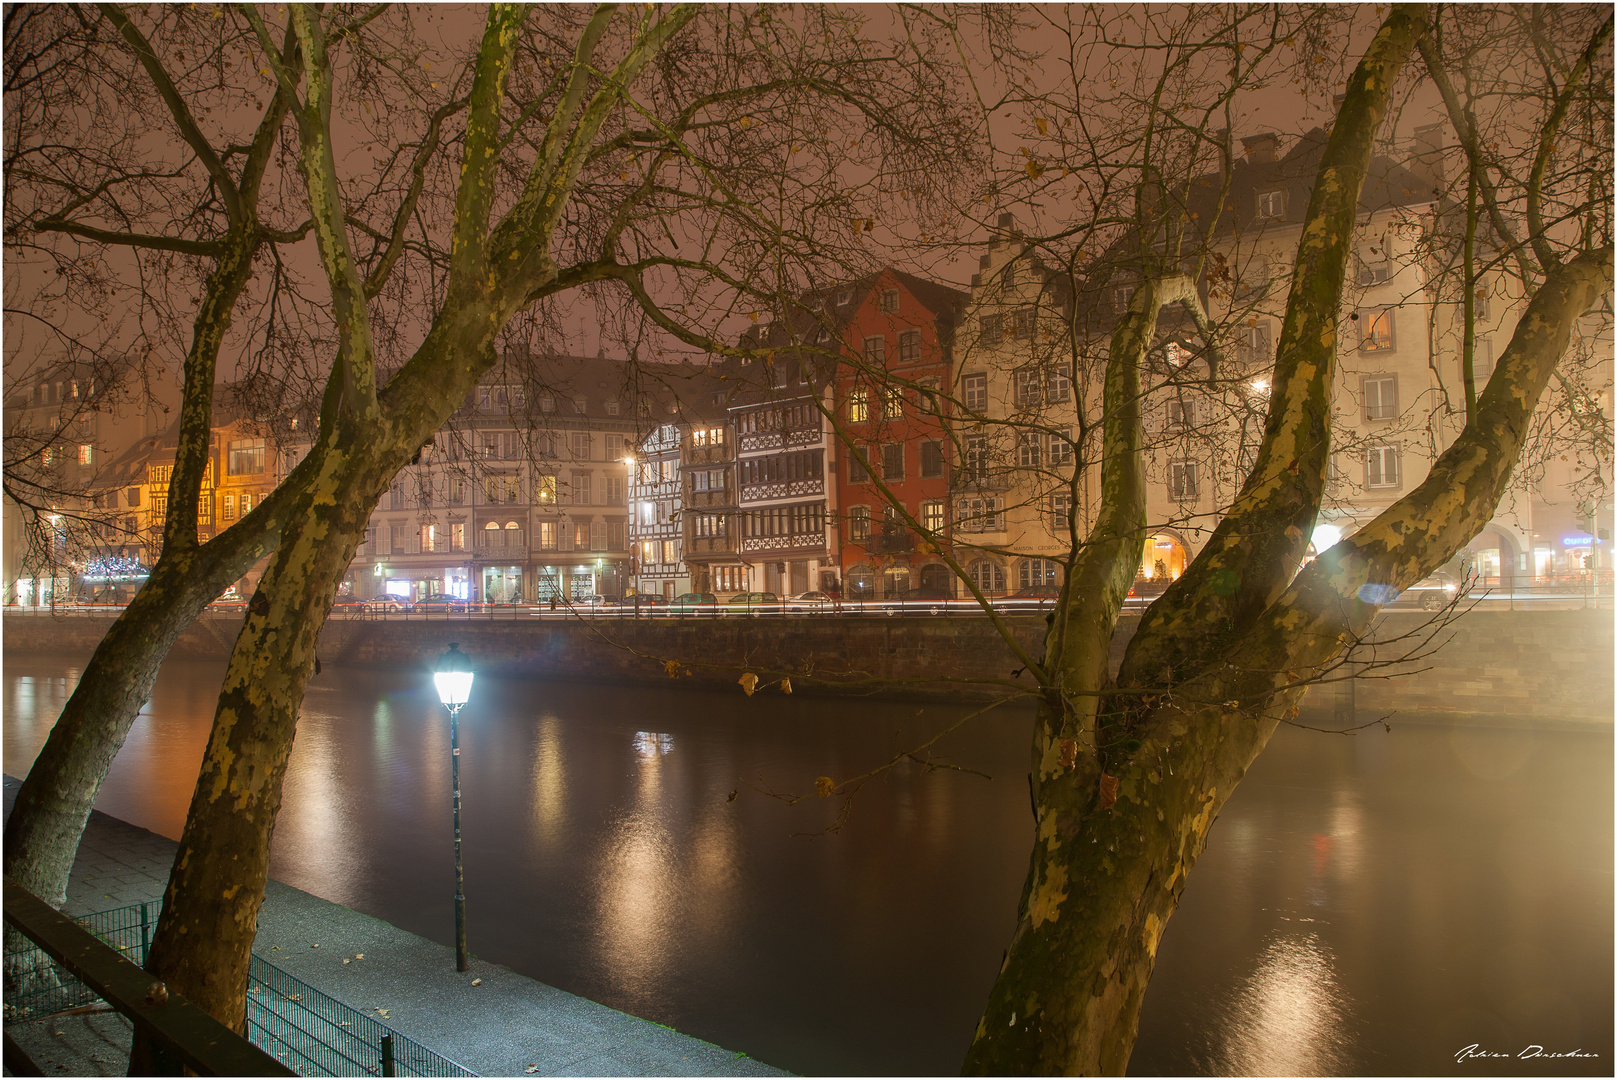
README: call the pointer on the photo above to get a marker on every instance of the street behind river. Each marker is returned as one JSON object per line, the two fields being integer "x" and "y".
{"x": 1368, "y": 904}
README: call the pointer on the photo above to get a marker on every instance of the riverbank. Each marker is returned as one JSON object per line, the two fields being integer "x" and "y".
{"x": 503, "y": 1025}
{"x": 1541, "y": 667}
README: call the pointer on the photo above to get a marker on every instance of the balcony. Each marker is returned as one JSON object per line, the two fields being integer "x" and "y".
{"x": 890, "y": 540}
{"x": 709, "y": 546}
{"x": 691, "y": 454}
{"x": 783, "y": 489}
{"x": 793, "y": 544}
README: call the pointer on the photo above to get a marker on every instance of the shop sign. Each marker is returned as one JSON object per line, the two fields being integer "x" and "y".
{"x": 1577, "y": 541}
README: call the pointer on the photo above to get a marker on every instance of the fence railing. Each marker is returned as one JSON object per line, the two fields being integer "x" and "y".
{"x": 308, "y": 1032}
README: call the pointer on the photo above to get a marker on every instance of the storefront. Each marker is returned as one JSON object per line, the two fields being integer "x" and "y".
{"x": 501, "y": 585}
{"x": 1163, "y": 559}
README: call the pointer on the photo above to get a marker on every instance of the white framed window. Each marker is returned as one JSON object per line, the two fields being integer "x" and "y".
{"x": 1482, "y": 358}
{"x": 1022, "y": 323}
{"x": 909, "y": 345}
{"x": 1382, "y": 467}
{"x": 976, "y": 457}
{"x": 843, "y": 296}
{"x": 979, "y": 515}
{"x": 889, "y": 300}
{"x": 1057, "y": 385}
{"x": 457, "y": 536}
{"x": 1060, "y": 447}
{"x": 1028, "y": 385}
{"x": 859, "y": 523}
{"x": 858, "y": 405}
{"x": 1058, "y": 511}
{"x": 246, "y": 457}
{"x": 974, "y": 392}
{"x": 933, "y": 515}
{"x": 1380, "y": 397}
{"x": 876, "y": 348}
{"x": 1181, "y": 412}
{"x": 1375, "y": 329}
{"x": 1033, "y": 572}
{"x": 579, "y": 441}
{"x": 86, "y": 454}
{"x": 892, "y": 403}
{"x": 1272, "y": 205}
{"x": 990, "y": 329}
{"x": 1121, "y": 295}
{"x": 1030, "y": 449}
{"x": 1182, "y": 480}
{"x": 1375, "y": 273}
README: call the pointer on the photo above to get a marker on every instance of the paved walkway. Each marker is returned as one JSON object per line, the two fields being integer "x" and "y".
{"x": 509, "y": 1025}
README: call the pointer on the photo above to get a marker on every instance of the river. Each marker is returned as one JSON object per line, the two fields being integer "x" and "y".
{"x": 1367, "y": 904}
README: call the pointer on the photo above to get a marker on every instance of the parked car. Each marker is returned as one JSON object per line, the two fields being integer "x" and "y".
{"x": 349, "y": 605}
{"x": 811, "y": 603}
{"x": 385, "y": 604}
{"x": 646, "y": 603}
{"x": 1034, "y": 597}
{"x": 596, "y": 602}
{"x": 438, "y": 603}
{"x": 1430, "y": 594}
{"x": 751, "y": 603}
{"x": 694, "y": 603}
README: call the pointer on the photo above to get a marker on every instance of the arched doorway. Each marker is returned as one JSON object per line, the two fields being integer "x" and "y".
{"x": 1494, "y": 558}
{"x": 937, "y": 581}
{"x": 1163, "y": 559}
{"x": 895, "y": 582}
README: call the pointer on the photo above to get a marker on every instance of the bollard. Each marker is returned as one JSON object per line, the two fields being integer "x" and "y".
{"x": 387, "y": 1055}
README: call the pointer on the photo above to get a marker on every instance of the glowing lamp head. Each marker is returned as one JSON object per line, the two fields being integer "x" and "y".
{"x": 453, "y": 677}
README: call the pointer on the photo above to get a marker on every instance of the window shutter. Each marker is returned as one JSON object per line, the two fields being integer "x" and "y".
{"x": 597, "y": 536}
{"x": 566, "y": 537}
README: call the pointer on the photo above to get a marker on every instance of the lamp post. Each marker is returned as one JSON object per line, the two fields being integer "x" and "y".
{"x": 453, "y": 677}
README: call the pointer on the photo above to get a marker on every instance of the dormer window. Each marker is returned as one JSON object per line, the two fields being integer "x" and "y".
{"x": 611, "y": 408}
{"x": 1272, "y": 205}
{"x": 843, "y": 296}
{"x": 580, "y": 406}
{"x": 547, "y": 404}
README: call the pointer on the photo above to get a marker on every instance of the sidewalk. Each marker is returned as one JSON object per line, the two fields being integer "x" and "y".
{"x": 509, "y": 1025}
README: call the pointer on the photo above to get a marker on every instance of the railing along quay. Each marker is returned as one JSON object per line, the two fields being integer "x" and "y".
{"x": 293, "y": 1029}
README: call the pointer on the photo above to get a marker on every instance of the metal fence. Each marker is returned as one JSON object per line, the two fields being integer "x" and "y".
{"x": 315, "y": 1034}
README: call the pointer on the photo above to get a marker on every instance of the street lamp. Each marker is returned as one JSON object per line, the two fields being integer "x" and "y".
{"x": 453, "y": 677}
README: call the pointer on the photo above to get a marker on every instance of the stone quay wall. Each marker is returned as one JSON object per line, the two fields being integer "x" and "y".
{"x": 1546, "y": 667}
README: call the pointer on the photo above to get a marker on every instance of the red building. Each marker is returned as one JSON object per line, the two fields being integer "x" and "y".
{"x": 898, "y": 340}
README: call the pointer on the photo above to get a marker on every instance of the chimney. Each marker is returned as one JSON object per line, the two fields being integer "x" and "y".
{"x": 1004, "y": 229}
{"x": 1261, "y": 149}
{"x": 1427, "y": 162}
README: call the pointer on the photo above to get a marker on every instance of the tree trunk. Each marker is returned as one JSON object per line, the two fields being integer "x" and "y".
{"x": 54, "y": 802}
{"x": 203, "y": 941}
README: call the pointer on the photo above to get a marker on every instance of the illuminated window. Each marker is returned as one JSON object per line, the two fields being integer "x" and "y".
{"x": 1375, "y": 329}
{"x": 858, "y": 405}
{"x": 892, "y": 403}
{"x": 858, "y": 523}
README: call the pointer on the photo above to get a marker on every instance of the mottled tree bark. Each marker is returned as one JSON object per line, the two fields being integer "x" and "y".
{"x": 203, "y": 942}
{"x": 1126, "y": 784}
{"x": 42, "y": 835}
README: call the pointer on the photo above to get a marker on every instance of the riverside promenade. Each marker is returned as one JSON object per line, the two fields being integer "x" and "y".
{"x": 507, "y": 1025}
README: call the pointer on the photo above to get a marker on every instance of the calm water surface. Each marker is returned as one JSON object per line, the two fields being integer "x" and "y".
{"x": 1367, "y": 905}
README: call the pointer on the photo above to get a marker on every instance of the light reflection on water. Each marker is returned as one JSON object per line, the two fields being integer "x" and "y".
{"x": 1288, "y": 1018}
{"x": 1364, "y": 906}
